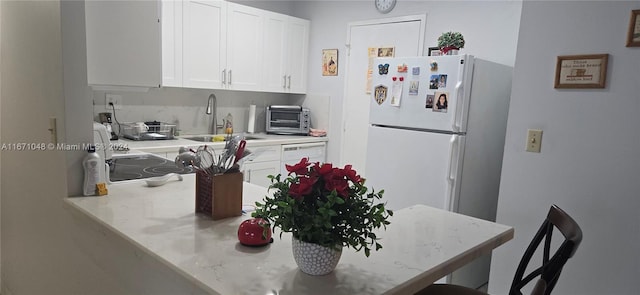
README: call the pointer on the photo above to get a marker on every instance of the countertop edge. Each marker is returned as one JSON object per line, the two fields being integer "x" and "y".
{"x": 173, "y": 144}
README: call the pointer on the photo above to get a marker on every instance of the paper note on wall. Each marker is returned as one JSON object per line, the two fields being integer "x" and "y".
{"x": 373, "y": 52}
{"x": 396, "y": 93}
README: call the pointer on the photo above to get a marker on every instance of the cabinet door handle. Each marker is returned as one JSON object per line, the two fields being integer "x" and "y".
{"x": 229, "y": 77}
{"x": 284, "y": 81}
{"x": 289, "y": 77}
{"x": 224, "y": 76}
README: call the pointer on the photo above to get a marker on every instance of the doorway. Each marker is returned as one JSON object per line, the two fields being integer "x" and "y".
{"x": 406, "y": 36}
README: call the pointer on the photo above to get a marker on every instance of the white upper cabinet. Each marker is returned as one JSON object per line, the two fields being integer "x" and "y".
{"x": 204, "y": 52}
{"x": 284, "y": 58}
{"x": 244, "y": 47}
{"x": 222, "y": 42}
{"x": 207, "y": 44}
{"x": 274, "y": 70}
{"x": 298, "y": 48}
{"x": 171, "y": 43}
{"x": 123, "y": 43}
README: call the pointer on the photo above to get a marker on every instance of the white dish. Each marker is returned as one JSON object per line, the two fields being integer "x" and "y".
{"x": 161, "y": 180}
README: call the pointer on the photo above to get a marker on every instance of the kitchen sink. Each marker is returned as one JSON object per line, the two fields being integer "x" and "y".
{"x": 207, "y": 138}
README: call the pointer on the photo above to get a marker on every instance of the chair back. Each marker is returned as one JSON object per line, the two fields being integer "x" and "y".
{"x": 549, "y": 272}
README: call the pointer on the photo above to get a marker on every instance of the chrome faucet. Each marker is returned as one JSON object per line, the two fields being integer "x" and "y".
{"x": 212, "y": 109}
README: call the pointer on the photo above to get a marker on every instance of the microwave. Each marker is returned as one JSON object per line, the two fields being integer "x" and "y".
{"x": 288, "y": 120}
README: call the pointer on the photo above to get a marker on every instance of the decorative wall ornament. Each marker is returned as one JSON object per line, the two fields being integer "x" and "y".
{"x": 380, "y": 94}
{"x": 633, "y": 36}
{"x": 581, "y": 71}
{"x": 372, "y": 53}
{"x": 383, "y": 69}
{"x": 329, "y": 62}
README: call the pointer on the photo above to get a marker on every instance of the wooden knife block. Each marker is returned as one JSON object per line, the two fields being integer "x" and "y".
{"x": 219, "y": 196}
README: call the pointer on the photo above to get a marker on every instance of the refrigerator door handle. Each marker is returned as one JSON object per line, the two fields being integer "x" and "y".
{"x": 457, "y": 116}
{"x": 451, "y": 173}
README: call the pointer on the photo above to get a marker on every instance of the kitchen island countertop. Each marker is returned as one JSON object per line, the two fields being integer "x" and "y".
{"x": 421, "y": 245}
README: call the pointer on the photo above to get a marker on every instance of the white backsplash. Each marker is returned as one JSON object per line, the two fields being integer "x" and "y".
{"x": 319, "y": 105}
{"x": 186, "y": 107}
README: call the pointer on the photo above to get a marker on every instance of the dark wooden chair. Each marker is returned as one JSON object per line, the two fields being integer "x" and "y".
{"x": 548, "y": 273}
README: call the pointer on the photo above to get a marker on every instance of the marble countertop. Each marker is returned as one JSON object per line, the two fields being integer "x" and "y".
{"x": 421, "y": 245}
{"x": 174, "y": 144}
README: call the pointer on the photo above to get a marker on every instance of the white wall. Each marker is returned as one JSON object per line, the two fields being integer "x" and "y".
{"x": 589, "y": 164}
{"x": 78, "y": 128}
{"x": 37, "y": 257}
{"x": 279, "y": 6}
{"x": 0, "y": 156}
{"x": 490, "y": 29}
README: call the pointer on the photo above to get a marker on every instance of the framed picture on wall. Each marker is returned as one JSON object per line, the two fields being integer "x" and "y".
{"x": 633, "y": 36}
{"x": 581, "y": 71}
{"x": 330, "y": 62}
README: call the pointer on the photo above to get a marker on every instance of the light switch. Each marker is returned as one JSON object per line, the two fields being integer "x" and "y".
{"x": 53, "y": 128}
{"x": 534, "y": 140}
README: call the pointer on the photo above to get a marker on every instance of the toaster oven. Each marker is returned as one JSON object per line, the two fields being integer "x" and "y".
{"x": 288, "y": 120}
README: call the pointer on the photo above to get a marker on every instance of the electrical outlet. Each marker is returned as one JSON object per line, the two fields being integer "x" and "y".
{"x": 113, "y": 98}
{"x": 534, "y": 140}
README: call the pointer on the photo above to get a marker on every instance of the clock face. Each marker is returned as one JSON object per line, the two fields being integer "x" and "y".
{"x": 385, "y": 6}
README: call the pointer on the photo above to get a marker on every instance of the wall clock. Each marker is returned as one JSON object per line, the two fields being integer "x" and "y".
{"x": 385, "y": 6}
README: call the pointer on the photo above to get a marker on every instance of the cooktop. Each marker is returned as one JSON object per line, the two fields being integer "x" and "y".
{"x": 142, "y": 166}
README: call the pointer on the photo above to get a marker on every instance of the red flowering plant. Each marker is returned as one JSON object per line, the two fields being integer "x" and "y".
{"x": 325, "y": 205}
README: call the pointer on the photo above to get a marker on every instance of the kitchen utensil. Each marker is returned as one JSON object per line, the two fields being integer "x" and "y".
{"x": 185, "y": 159}
{"x": 240, "y": 150}
{"x": 232, "y": 145}
{"x": 161, "y": 180}
{"x": 229, "y": 163}
{"x": 184, "y": 149}
{"x": 204, "y": 158}
{"x": 141, "y": 127}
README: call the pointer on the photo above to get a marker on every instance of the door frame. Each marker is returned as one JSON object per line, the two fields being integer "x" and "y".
{"x": 408, "y": 18}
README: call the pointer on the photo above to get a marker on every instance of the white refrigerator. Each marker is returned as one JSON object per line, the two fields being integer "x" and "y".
{"x": 436, "y": 137}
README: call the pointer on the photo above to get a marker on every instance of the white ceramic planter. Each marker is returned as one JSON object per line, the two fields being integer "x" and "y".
{"x": 314, "y": 259}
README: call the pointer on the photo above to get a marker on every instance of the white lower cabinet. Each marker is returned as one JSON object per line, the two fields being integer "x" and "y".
{"x": 293, "y": 153}
{"x": 257, "y": 173}
{"x": 267, "y": 162}
{"x": 269, "y": 159}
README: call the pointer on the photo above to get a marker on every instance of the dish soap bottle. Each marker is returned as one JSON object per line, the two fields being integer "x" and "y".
{"x": 92, "y": 168}
{"x": 228, "y": 124}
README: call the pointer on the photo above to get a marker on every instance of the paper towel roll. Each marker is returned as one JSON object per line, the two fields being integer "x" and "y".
{"x": 252, "y": 119}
